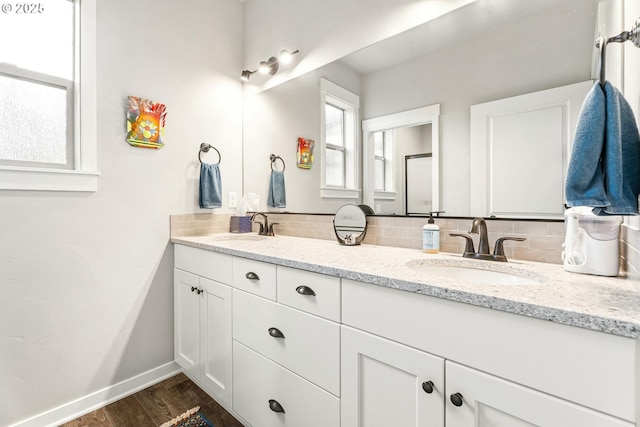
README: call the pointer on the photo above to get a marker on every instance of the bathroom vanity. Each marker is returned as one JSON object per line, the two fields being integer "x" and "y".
{"x": 287, "y": 331}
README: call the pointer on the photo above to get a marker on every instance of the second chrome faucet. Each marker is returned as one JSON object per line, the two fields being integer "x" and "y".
{"x": 479, "y": 226}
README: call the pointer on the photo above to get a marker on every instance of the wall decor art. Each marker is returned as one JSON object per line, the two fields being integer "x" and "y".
{"x": 304, "y": 156}
{"x": 145, "y": 123}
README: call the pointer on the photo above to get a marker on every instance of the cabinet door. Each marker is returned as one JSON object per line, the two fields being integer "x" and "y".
{"x": 486, "y": 400}
{"x": 512, "y": 139}
{"x": 215, "y": 339}
{"x": 186, "y": 321}
{"x": 383, "y": 383}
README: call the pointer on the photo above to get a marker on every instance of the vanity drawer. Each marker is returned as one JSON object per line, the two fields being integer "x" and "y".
{"x": 314, "y": 293}
{"x": 256, "y": 277}
{"x": 258, "y": 380}
{"x": 211, "y": 265}
{"x": 310, "y": 347}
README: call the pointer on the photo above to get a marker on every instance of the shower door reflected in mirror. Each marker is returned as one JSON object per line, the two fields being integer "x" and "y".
{"x": 417, "y": 183}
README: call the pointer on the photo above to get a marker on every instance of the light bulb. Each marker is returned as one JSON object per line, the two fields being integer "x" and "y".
{"x": 285, "y": 56}
{"x": 264, "y": 67}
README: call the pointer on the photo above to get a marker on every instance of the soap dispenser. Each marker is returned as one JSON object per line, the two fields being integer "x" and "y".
{"x": 431, "y": 235}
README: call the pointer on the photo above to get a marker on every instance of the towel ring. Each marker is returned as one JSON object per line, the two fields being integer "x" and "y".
{"x": 632, "y": 35}
{"x": 273, "y": 158}
{"x": 205, "y": 148}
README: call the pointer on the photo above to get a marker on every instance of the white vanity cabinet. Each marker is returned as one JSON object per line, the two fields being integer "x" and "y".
{"x": 312, "y": 350}
{"x": 202, "y": 319}
{"x": 501, "y": 369}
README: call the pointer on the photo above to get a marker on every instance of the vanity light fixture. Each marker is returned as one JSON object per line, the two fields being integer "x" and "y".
{"x": 246, "y": 74}
{"x": 271, "y": 65}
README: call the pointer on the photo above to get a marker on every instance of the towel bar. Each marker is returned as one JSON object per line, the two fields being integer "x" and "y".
{"x": 601, "y": 43}
{"x": 205, "y": 148}
{"x": 273, "y": 158}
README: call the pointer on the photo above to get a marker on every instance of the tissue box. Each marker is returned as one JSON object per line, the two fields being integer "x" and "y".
{"x": 240, "y": 224}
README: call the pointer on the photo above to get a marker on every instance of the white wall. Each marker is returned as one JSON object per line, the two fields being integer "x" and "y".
{"x": 327, "y": 30}
{"x": 86, "y": 279}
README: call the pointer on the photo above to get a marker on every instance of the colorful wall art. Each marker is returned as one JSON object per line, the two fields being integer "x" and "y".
{"x": 145, "y": 123}
{"x": 304, "y": 157}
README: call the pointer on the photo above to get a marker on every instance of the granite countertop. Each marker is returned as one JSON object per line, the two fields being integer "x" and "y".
{"x": 605, "y": 304}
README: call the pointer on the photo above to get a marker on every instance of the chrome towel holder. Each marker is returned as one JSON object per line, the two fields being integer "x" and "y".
{"x": 204, "y": 148}
{"x": 273, "y": 158}
{"x": 601, "y": 43}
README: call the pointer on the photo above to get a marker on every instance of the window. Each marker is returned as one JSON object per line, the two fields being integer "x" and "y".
{"x": 339, "y": 127}
{"x": 45, "y": 142}
{"x": 383, "y": 161}
{"x": 335, "y": 145}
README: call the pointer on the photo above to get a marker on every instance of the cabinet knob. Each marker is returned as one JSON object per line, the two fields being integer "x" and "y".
{"x": 193, "y": 288}
{"x": 427, "y": 386}
{"x": 252, "y": 276}
{"x": 456, "y": 399}
{"x": 275, "y": 406}
{"x": 276, "y": 333}
{"x": 199, "y": 291}
{"x": 305, "y": 290}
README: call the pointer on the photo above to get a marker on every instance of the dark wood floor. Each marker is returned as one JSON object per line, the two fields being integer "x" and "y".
{"x": 156, "y": 405}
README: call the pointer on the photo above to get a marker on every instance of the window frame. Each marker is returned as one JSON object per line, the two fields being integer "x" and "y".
{"x": 330, "y": 93}
{"x": 83, "y": 176}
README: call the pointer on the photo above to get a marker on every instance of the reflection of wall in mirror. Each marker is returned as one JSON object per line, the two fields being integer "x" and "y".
{"x": 531, "y": 52}
{"x": 273, "y": 121}
{"x": 539, "y": 51}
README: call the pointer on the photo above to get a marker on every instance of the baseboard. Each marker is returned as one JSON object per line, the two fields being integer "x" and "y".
{"x": 100, "y": 398}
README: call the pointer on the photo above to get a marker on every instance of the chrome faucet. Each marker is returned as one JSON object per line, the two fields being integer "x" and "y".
{"x": 266, "y": 229}
{"x": 479, "y": 226}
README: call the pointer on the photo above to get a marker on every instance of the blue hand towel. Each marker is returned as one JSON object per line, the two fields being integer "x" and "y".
{"x": 210, "y": 186}
{"x": 604, "y": 170}
{"x": 277, "y": 197}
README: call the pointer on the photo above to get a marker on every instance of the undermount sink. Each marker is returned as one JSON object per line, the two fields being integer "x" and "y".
{"x": 238, "y": 236}
{"x": 484, "y": 272}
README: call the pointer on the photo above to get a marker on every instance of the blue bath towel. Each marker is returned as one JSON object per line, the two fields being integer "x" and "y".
{"x": 277, "y": 197}
{"x": 604, "y": 170}
{"x": 210, "y": 186}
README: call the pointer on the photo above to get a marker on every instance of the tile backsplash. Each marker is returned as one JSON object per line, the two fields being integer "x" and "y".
{"x": 543, "y": 238}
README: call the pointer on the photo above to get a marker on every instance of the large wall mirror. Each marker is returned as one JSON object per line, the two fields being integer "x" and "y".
{"x": 483, "y": 52}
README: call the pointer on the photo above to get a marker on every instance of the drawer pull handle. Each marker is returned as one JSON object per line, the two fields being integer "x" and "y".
{"x": 427, "y": 386}
{"x": 456, "y": 399}
{"x": 305, "y": 290}
{"x": 275, "y": 406}
{"x": 252, "y": 276}
{"x": 276, "y": 333}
